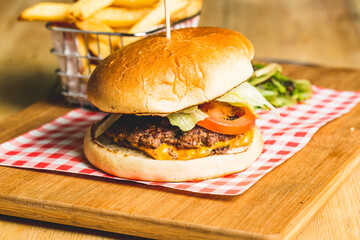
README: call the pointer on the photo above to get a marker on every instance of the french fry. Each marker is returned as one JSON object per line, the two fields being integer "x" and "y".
{"x": 192, "y": 8}
{"x": 96, "y": 25}
{"x": 93, "y": 24}
{"x": 83, "y": 9}
{"x": 120, "y": 17}
{"x": 81, "y": 45}
{"x": 46, "y": 11}
{"x": 153, "y": 18}
{"x": 99, "y": 48}
{"x": 134, "y": 3}
{"x": 121, "y": 30}
{"x": 157, "y": 15}
{"x": 83, "y": 52}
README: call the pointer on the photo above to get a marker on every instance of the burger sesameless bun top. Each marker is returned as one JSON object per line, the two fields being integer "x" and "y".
{"x": 157, "y": 75}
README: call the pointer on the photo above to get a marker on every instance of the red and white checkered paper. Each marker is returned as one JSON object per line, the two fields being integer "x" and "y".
{"x": 57, "y": 145}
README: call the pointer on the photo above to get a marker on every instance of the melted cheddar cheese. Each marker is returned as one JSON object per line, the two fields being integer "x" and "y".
{"x": 170, "y": 152}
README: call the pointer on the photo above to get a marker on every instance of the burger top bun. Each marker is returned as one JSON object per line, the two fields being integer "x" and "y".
{"x": 156, "y": 75}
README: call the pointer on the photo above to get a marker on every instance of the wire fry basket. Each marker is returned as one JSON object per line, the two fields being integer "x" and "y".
{"x": 78, "y": 52}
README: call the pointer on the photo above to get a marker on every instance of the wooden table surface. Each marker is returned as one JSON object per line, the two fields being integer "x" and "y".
{"x": 318, "y": 32}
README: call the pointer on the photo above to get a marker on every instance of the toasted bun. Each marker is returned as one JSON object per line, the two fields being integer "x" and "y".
{"x": 157, "y": 76}
{"x": 134, "y": 164}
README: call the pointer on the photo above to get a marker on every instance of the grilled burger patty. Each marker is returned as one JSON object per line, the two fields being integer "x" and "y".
{"x": 152, "y": 131}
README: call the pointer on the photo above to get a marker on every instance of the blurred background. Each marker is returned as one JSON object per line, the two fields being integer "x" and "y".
{"x": 320, "y": 32}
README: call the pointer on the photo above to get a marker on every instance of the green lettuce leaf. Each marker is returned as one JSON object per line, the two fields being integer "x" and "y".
{"x": 263, "y": 72}
{"x": 302, "y": 90}
{"x": 278, "y": 89}
{"x": 248, "y": 96}
{"x": 186, "y": 119}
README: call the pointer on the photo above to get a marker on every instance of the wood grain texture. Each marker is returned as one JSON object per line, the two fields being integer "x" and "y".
{"x": 21, "y": 229}
{"x": 278, "y": 206}
{"x": 339, "y": 218}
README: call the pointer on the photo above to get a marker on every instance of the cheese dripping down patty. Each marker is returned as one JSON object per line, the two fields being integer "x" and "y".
{"x": 170, "y": 152}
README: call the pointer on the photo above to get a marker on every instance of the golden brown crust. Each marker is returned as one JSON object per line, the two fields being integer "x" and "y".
{"x": 156, "y": 75}
{"x": 134, "y": 164}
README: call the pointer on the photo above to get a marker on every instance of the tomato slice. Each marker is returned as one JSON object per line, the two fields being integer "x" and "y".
{"x": 227, "y": 119}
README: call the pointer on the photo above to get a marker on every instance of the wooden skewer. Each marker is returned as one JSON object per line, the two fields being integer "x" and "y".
{"x": 167, "y": 20}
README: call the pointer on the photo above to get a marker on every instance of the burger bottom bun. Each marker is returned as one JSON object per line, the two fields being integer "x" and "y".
{"x": 134, "y": 164}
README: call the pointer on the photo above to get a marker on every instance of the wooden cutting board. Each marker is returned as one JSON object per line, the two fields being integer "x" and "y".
{"x": 277, "y": 206}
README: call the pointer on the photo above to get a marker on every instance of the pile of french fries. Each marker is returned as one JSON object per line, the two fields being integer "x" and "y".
{"x": 124, "y": 16}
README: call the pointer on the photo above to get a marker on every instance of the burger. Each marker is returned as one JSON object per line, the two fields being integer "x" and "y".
{"x": 180, "y": 109}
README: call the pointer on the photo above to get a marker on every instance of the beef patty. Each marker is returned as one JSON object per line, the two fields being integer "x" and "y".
{"x": 152, "y": 131}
